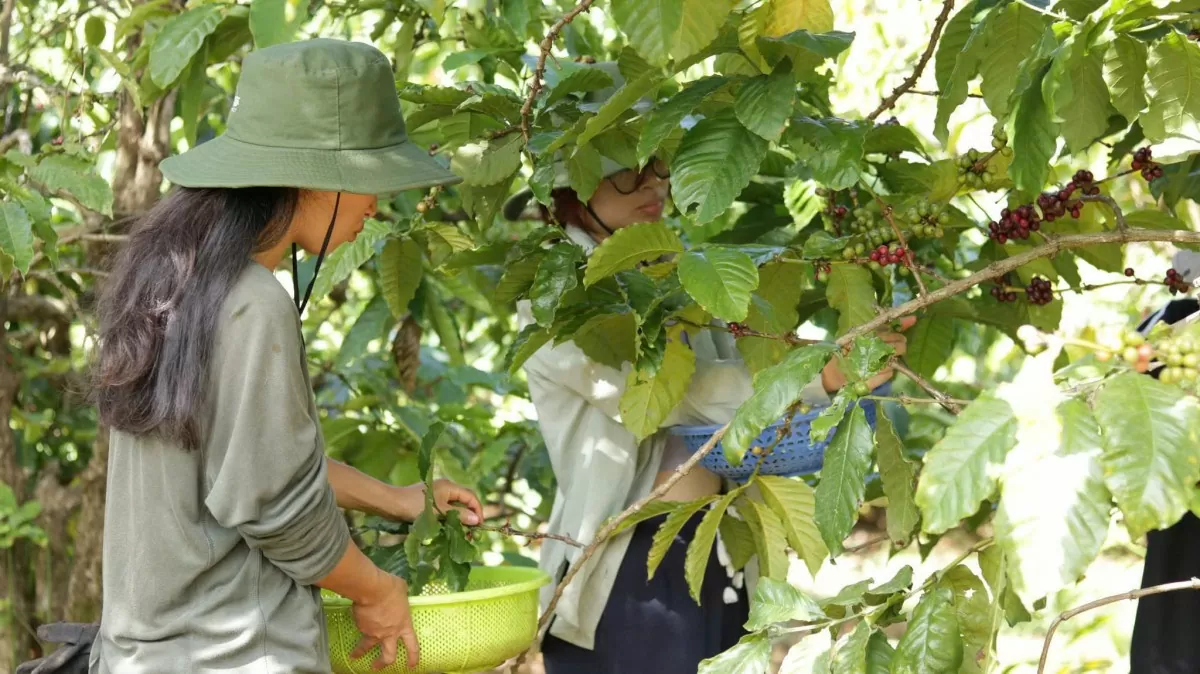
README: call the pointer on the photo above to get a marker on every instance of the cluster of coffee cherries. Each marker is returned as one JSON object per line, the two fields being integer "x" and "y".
{"x": 1181, "y": 357}
{"x": 873, "y": 228}
{"x": 1175, "y": 282}
{"x": 1142, "y": 162}
{"x": 1015, "y": 224}
{"x": 973, "y": 170}
{"x": 1001, "y": 291}
{"x": 1039, "y": 291}
{"x": 927, "y": 220}
{"x": 885, "y": 256}
{"x": 821, "y": 270}
{"x": 1136, "y": 351}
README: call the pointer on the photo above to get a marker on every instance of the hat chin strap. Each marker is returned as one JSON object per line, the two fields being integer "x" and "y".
{"x": 300, "y": 304}
{"x": 595, "y": 217}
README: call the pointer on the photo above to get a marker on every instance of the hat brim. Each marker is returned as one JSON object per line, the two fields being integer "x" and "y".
{"x": 228, "y": 162}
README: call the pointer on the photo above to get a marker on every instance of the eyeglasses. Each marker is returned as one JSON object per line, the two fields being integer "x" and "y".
{"x": 628, "y": 181}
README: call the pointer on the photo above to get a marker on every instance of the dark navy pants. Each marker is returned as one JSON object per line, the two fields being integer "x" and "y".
{"x": 655, "y": 626}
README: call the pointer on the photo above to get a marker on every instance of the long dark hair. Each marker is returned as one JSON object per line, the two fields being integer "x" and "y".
{"x": 159, "y": 307}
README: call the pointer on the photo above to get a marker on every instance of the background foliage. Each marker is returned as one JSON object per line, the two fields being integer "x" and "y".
{"x": 785, "y": 182}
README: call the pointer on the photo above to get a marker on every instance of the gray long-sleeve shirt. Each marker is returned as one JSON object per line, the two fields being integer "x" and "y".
{"x": 210, "y": 555}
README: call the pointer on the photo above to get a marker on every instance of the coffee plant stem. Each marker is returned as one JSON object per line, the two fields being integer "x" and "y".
{"x": 743, "y": 331}
{"x": 533, "y": 535}
{"x": 1193, "y": 584}
{"x": 938, "y": 94}
{"x": 945, "y": 401}
{"x": 1114, "y": 176}
{"x": 911, "y": 80}
{"x": 886, "y": 210}
{"x": 535, "y": 85}
{"x": 1104, "y": 198}
{"x": 907, "y": 400}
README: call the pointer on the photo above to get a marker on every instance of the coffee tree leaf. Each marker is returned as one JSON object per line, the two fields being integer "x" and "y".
{"x": 827, "y": 421}
{"x": 573, "y": 78}
{"x": 714, "y": 164}
{"x": 770, "y": 541}
{"x": 517, "y": 278}
{"x": 461, "y": 549}
{"x": 650, "y": 396}
{"x": 764, "y": 103}
{"x": 1011, "y": 36}
{"x": 751, "y": 655}
{"x": 74, "y": 175}
{"x": 1173, "y": 77}
{"x": 832, "y": 149}
{"x": 879, "y": 654}
{"x": 666, "y": 117}
{"x": 810, "y": 655}
{"x": 400, "y": 273}
{"x": 629, "y": 246}
{"x": 805, "y": 49}
{"x": 720, "y": 280}
{"x": 738, "y": 540}
{"x": 276, "y": 21}
{"x": 489, "y": 161}
{"x": 899, "y": 482}
{"x": 1125, "y": 72}
{"x": 702, "y": 22}
{"x": 621, "y": 101}
{"x": 931, "y": 643}
{"x": 191, "y": 94}
{"x": 851, "y": 651}
{"x": 788, "y": 16}
{"x": 1151, "y": 439}
{"x": 178, "y": 41}
{"x": 532, "y": 338}
{"x": 665, "y": 535}
{"x": 700, "y": 549}
{"x": 1034, "y": 139}
{"x": 775, "y": 389}
{"x": 373, "y": 323}
{"x": 843, "y": 479}
{"x": 954, "y": 38}
{"x": 557, "y": 274}
{"x": 1077, "y": 96}
{"x": 930, "y": 343}
{"x": 585, "y": 171}
{"x": 891, "y": 138}
{"x": 965, "y": 67}
{"x": 993, "y": 566}
{"x": 348, "y": 257}
{"x": 650, "y": 26}
{"x": 610, "y": 338}
{"x": 795, "y": 504}
{"x": 961, "y": 469}
{"x": 851, "y": 292}
{"x": 971, "y": 608}
{"x": 16, "y": 235}
{"x": 777, "y": 601}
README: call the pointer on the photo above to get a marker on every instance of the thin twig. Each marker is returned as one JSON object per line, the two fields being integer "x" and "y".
{"x": 547, "y": 44}
{"x": 938, "y": 94}
{"x": 863, "y": 546}
{"x": 910, "y": 400}
{"x": 1105, "y": 199}
{"x": 945, "y": 401}
{"x": 533, "y": 535}
{"x": 1193, "y": 584}
{"x": 743, "y": 331}
{"x": 911, "y": 81}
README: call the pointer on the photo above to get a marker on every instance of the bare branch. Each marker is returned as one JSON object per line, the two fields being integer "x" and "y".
{"x": 1002, "y": 267}
{"x": 1193, "y": 584}
{"x": 533, "y": 535}
{"x": 911, "y": 81}
{"x": 547, "y": 44}
{"x": 1105, "y": 199}
{"x": 952, "y": 406}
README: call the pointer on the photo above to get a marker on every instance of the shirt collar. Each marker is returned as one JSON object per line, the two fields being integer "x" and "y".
{"x": 581, "y": 238}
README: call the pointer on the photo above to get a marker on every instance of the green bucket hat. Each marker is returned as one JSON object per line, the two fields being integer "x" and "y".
{"x": 319, "y": 114}
{"x": 591, "y": 101}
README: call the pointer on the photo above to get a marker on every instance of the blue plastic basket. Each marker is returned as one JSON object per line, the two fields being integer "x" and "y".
{"x": 795, "y": 454}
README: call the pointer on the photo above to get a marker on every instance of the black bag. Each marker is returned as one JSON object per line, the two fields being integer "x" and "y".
{"x": 71, "y": 657}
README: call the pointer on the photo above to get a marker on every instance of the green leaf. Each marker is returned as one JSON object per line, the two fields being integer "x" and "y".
{"x": 446, "y": 327}
{"x": 931, "y": 643}
{"x": 1076, "y": 95}
{"x": 655, "y": 509}
{"x": 622, "y": 100}
{"x": 487, "y": 162}
{"x": 770, "y": 542}
{"x": 993, "y": 564}
{"x": 775, "y": 389}
{"x": 795, "y": 504}
{"x": 898, "y": 583}
{"x": 191, "y": 94}
{"x": 764, "y": 103}
{"x": 788, "y": 16}
{"x": 777, "y": 601}
{"x": 46, "y": 233}
{"x": 899, "y": 482}
{"x": 738, "y": 540}
{"x": 666, "y": 117}
{"x": 805, "y": 49}
{"x": 751, "y": 655}
{"x": 1174, "y": 88}
{"x": 610, "y": 338}
{"x": 702, "y": 22}
{"x": 74, "y": 175}
{"x": 1034, "y": 138}
{"x": 879, "y": 654}
{"x": 851, "y": 657}
{"x": 462, "y": 550}
{"x": 849, "y": 595}
{"x": 820, "y": 428}
{"x": 1125, "y": 72}
{"x": 843, "y": 479}
{"x": 867, "y": 356}
{"x": 965, "y": 67}
{"x": 1054, "y": 507}
{"x": 573, "y": 78}
{"x": 276, "y": 21}
{"x": 930, "y": 343}
{"x": 178, "y": 41}
{"x": 714, "y": 164}
{"x": 1078, "y": 9}
{"x": 400, "y": 273}
{"x": 1011, "y": 36}
{"x": 971, "y": 609}
{"x": 1151, "y": 441}
{"x": 585, "y": 171}
{"x": 527, "y": 343}
{"x": 1154, "y": 220}
{"x": 954, "y": 38}
{"x": 347, "y": 257}
{"x": 518, "y": 277}
{"x": 700, "y": 549}
{"x": 370, "y": 325}
{"x": 961, "y": 469}
{"x": 16, "y": 235}
{"x": 890, "y": 138}
{"x": 557, "y": 275}
{"x": 650, "y": 25}
{"x": 809, "y": 656}
{"x": 649, "y": 396}
{"x": 831, "y": 148}
{"x": 668, "y": 530}
{"x": 628, "y": 247}
{"x": 851, "y": 292}
{"x": 720, "y": 280}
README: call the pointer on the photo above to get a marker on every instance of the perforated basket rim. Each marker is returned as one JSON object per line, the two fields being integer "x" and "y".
{"x": 524, "y": 579}
{"x": 709, "y": 429}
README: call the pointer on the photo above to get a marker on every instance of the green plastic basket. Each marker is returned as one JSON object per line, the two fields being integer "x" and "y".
{"x": 493, "y": 620}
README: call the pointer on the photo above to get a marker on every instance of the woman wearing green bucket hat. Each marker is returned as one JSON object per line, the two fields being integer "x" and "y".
{"x": 222, "y": 520}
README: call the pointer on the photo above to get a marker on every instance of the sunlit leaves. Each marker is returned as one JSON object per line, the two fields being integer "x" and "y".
{"x": 400, "y": 274}
{"x": 629, "y": 246}
{"x": 770, "y": 541}
{"x": 1076, "y": 95}
{"x": 1034, "y": 138}
{"x": 651, "y": 395}
{"x": 751, "y": 655}
{"x": 795, "y": 504}
{"x": 930, "y": 343}
{"x": 851, "y": 292}
{"x": 347, "y": 257}
{"x": 1124, "y": 72}
{"x": 843, "y": 479}
{"x": 831, "y": 148}
{"x": 666, "y": 533}
{"x": 487, "y": 162}
{"x": 720, "y": 280}
{"x": 178, "y": 41}
{"x": 666, "y": 117}
{"x": 1174, "y": 88}
{"x": 74, "y": 175}
{"x": 664, "y": 29}
{"x": 931, "y": 644}
{"x": 776, "y": 601}
{"x": 695, "y": 563}
{"x": 764, "y": 104}
{"x": 899, "y": 482}
{"x": 1011, "y": 35}
{"x": 714, "y": 163}
{"x": 276, "y": 21}
{"x": 961, "y": 469}
{"x": 16, "y": 234}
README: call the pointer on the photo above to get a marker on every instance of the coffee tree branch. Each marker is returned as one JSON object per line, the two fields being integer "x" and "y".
{"x": 911, "y": 80}
{"x": 952, "y": 406}
{"x": 507, "y": 530}
{"x": 535, "y": 85}
{"x": 1193, "y": 584}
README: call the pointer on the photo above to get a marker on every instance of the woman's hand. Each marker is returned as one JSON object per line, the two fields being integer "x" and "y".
{"x": 447, "y": 496}
{"x": 833, "y": 379}
{"x": 384, "y": 617}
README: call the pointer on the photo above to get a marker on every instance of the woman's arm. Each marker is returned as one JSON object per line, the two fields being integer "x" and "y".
{"x": 356, "y": 490}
